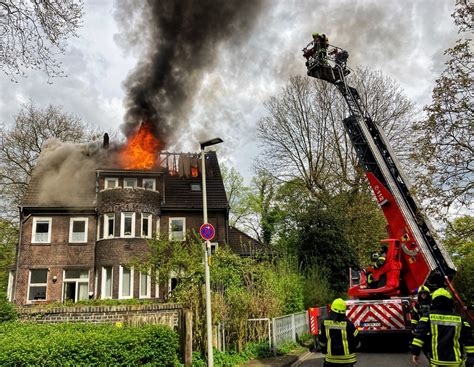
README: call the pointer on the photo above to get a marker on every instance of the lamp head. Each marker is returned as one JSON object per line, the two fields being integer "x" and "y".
{"x": 208, "y": 143}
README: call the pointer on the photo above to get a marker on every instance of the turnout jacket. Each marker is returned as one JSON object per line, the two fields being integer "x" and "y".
{"x": 447, "y": 338}
{"x": 421, "y": 309}
{"x": 338, "y": 338}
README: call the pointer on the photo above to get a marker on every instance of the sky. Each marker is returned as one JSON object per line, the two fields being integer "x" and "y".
{"x": 404, "y": 39}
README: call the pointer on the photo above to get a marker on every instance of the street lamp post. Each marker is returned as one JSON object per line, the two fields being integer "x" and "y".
{"x": 207, "y": 250}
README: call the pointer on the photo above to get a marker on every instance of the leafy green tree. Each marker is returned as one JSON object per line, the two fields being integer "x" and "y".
{"x": 237, "y": 193}
{"x": 459, "y": 238}
{"x": 445, "y": 146}
{"x": 459, "y": 241}
{"x": 8, "y": 242}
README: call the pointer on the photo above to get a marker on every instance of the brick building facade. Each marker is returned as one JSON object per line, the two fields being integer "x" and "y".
{"x": 80, "y": 251}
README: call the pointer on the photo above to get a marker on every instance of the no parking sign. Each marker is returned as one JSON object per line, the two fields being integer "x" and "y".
{"x": 207, "y": 231}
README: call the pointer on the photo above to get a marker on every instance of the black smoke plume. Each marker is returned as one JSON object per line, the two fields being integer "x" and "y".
{"x": 182, "y": 39}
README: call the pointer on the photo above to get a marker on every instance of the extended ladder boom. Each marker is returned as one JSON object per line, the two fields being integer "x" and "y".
{"x": 421, "y": 254}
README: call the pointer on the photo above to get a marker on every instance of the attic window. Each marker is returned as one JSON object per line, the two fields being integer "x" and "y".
{"x": 111, "y": 183}
{"x": 195, "y": 187}
{"x": 129, "y": 183}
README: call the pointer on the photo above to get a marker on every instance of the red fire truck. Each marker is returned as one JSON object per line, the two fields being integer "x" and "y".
{"x": 381, "y": 296}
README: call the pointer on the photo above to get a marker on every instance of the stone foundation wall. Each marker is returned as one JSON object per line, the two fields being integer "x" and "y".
{"x": 166, "y": 314}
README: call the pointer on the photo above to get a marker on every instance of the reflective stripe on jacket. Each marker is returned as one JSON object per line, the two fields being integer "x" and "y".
{"x": 338, "y": 338}
{"x": 447, "y": 336}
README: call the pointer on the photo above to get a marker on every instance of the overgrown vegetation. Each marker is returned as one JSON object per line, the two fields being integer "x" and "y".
{"x": 84, "y": 344}
{"x": 243, "y": 288}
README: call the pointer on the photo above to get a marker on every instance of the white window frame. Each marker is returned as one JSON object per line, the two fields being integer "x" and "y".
{"x": 122, "y": 224}
{"x": 11, "y": 278}
{"x": 184, "y": 228}
{"x": 120, "y": 296}
{"x": 33, "y": 232}
{"x": 148, "y": 286}
{"x": 99, "y": 228}
{"x": 151, "y": 180}
{"x": 115, "y": 179}
{"x": 71, "y": 225}
{"x": 173, "y": 275}
{"x": 102, "y": 282}
{"x": 157, "y": 285}
{"x": 149, "y": 234}
{"x": 134, "y": 183}
{"x": 77, "y": 281}
{"x": 106, "y": 225}
{"x": 37, "y": 285}
{"x": 214, "y": 247}
{"x": 157, "y": 233}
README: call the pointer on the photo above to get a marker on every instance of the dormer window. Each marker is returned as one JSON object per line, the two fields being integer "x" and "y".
{"x": 110, "y": 183}
{"x": 149, "y": 184}
{"x": 129, "y": 183}
{"x": 196, "y": 187}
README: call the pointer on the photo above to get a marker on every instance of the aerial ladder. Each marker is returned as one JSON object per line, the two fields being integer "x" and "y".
{"x": 381, "y": 297}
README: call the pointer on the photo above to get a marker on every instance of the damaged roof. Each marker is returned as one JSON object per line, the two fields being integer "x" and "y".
{"x": 48, "y": 189}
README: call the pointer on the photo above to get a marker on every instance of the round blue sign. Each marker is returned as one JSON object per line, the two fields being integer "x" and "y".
{"x": 207, "y": 231}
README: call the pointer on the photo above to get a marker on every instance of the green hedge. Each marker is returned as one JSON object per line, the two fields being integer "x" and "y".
{"x": 86, "y": 345}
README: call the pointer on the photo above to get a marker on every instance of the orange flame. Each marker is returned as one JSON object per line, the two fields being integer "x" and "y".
{"x": 141, "y": 151}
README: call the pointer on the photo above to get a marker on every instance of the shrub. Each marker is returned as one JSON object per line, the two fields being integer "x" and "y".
{"x": 84, "y": 344}
{"x": 7, "y": 310}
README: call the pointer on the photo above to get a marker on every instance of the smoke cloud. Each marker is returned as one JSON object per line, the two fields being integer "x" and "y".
{"x": 182, "y": 41}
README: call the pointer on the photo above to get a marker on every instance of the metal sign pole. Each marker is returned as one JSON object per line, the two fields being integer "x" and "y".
{"x": 210, "y": 354}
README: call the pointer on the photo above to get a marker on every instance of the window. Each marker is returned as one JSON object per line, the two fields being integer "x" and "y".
{"x": 145, "y": 285}
{"x": 10, "y": 286}
{"x": 146, "y": 225}
{"x": 173, "y": 282}
{"x": 37, "y": 284}
{"x": 126, "y": 282}
{"x": 177, "y": 228}
{"x": 214, "y": 246}
{"x": 76, "y": 284}
{"x": 41, "y": 230}
{"x": 149, "y": 184}
{"x": 128, "y": 225}
{"x": 78, "y": 230}
{"x": 195, "y": 187}
{"x": 129, "y": 183}
{"x": 106, "y": 284}
{"x": 110, "y": 183}
{"x": 109, "y": 225}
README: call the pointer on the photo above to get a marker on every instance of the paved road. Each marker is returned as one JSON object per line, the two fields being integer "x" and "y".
{"x": 368, "y": 360}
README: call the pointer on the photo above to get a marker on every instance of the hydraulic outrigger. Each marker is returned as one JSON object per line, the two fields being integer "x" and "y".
{"x": 414, "y": 257}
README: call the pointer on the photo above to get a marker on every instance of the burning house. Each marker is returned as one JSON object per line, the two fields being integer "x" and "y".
{"x": 90, "y": 209}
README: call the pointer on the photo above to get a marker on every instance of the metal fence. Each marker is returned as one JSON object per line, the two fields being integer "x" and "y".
{"x": 288, "y": 328}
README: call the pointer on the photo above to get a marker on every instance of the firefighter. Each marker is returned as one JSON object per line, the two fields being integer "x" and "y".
{"x": 323, "y": 44}
{"x": 447, "y": 336}
{"x": 421, "y": 307}
{"x": 338, "y": 337}
{"x": 381, "y": 258}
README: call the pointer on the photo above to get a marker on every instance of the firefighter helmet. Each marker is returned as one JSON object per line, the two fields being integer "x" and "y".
{"x": 338, "y": 306}
{"x": 315, "y": 34}
{"x": 441, "y": 292}
{"x": 423, "y": 288}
